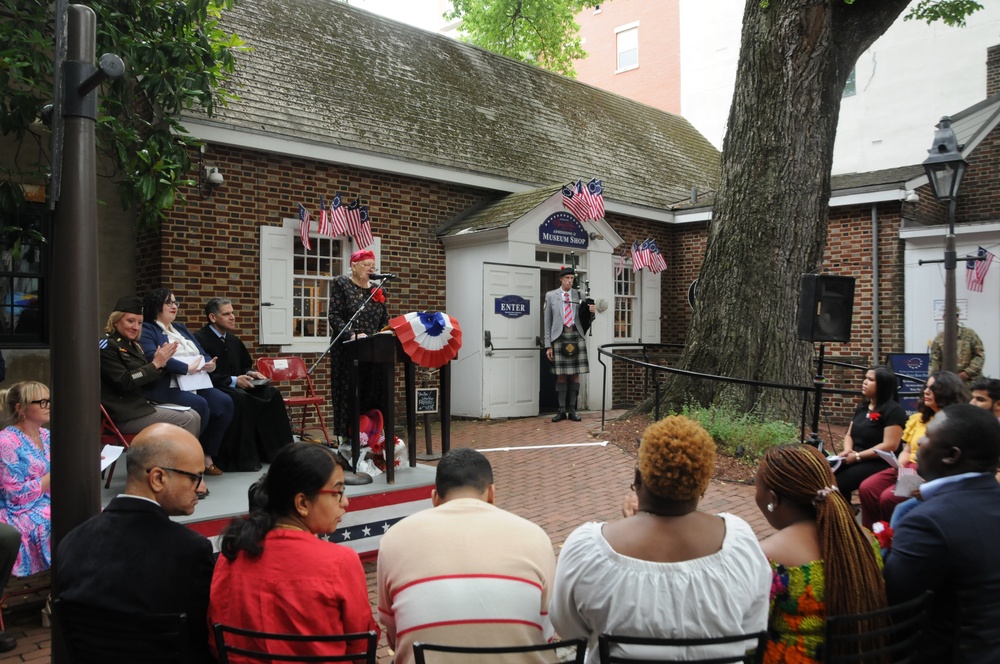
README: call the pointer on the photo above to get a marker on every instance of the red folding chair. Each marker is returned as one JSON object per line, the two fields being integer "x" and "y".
{"x": 110, "y": 435}
{"x": 291, "y": 368}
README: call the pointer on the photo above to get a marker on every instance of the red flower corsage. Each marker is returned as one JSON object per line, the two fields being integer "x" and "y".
{"x": 883, "y": 534}
{"x": 379, "y": 296}
{"x": 874, "y": 416}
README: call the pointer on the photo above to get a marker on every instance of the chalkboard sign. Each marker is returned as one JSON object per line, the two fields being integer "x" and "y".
{"x": 427, "y": 400}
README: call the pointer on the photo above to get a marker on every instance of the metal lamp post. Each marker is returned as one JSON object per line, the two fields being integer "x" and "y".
{"x": 945, "y": 167}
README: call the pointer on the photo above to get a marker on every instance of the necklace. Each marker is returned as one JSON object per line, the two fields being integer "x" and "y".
{"x": 288, "y": 526}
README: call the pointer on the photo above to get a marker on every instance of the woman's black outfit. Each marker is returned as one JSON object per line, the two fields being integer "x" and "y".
{"x": 867, "y": 431}
{"x": 345, "y": 298}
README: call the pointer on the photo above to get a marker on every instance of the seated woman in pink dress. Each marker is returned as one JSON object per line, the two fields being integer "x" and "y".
{"x": 276, "y": 575}
{"x": 25, "y": 502}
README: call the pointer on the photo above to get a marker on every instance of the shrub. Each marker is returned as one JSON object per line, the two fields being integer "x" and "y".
{"x": 743, "y": 435}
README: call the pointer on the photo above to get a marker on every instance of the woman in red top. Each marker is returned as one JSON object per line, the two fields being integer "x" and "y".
{"x": 276, "y": 575}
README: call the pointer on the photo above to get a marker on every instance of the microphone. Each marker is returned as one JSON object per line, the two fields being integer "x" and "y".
{"x": 381, "y": 276}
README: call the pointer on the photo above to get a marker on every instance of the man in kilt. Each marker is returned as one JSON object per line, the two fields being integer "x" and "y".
{"x": 565, "y": 327}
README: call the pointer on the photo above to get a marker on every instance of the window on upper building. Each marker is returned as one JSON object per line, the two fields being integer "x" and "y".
{"x": 627, "y": 37}
{"x": 850, "y": 88}
{"x": 295, "y": 285}
{"x": 24, "y": 276}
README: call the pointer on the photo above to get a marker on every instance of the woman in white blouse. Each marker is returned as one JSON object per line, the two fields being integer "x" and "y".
{"x": 159, "y": 309}
{"x": 669, "y": 570}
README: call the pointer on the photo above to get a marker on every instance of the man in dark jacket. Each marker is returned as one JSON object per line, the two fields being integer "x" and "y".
{"x": 260, "y": 425}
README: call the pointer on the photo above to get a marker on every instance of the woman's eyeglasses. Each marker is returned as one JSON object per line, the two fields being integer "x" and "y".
{"x": 172, "y": 303}
{"x": 339, "y": 493}
{"x": 44, "y": 403}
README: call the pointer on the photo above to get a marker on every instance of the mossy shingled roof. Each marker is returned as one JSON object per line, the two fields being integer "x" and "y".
{"x": 325, "y": 72}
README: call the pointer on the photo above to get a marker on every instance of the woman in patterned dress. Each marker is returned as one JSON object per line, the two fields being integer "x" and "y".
{"x": 822, "y": 562}
{"x": 347, "y": 293}
{"x": 25, "y": 501}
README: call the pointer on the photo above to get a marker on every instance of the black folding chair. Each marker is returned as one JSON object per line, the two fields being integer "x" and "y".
{"x": 93, "y": 635}
{"x": 882, "y": 636}
{"x": 224, "y": 649}
{"x": 482, "y": 653}
{"x": 650, "y": 645}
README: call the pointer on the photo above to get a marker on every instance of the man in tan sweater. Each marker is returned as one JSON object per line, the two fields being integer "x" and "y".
{"x": 465, "y": 573}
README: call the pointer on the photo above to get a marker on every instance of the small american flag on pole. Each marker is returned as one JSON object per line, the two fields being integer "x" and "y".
{"x": 638, "y": 261}
{"x": 325, "y": 227}
{"x": 357, "y": 224}
{"x": 657, "y": 263}
{"x": 594, "y": 193}
{"x": 575, "y": 201}
{"x": 304, "y": 221}
{"x": 338, "y": 216}
{"x": 975, "y": 271}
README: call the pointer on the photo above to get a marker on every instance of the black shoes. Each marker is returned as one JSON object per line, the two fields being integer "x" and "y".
{"x": 560, "y": 416}
{"x": 573, "y": 416}
{"x": 7, "y": 642}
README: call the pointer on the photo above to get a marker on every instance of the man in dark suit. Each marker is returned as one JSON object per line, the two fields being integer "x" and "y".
{"x": 948, "y": 542}
{"x": 260, "y": 425}
{"x": 131, "y": 557}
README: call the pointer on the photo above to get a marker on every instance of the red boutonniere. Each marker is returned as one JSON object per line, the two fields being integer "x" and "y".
{"x": 379, "y": 296}
{"x": 874, "y": 416}
{"x": 883, "y": 534}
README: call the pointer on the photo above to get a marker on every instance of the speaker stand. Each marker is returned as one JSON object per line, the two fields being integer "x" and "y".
{"x": 818, "y": 381}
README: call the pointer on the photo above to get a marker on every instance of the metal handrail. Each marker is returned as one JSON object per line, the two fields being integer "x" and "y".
{"x": 817, "y": 387}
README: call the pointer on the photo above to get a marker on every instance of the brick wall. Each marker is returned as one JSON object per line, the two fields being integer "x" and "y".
{"x": 656, "y": 81}
{"x": 993, "y": 70}
{"x": 211, "y": 248}
{"x": 977, "y": 199}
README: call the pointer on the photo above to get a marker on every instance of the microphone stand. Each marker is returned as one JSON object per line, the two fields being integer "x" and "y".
{"x": 348, "y": 325}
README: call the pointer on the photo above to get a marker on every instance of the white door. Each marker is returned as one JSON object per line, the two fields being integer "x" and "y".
{"x": 510, "y": 366}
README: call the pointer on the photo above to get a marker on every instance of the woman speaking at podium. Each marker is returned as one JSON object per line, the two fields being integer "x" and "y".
{"x": 347, "y": 296}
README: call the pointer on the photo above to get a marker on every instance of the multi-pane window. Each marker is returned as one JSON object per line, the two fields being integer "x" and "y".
{"x": 313, "y": 272}
{"x": 628, "y": 47}
{"x": 626, "y": 301}
{"x": 24, "y": 265}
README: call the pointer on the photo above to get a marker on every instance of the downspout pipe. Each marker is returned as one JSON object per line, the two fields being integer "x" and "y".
{"x": 875, "y": 287}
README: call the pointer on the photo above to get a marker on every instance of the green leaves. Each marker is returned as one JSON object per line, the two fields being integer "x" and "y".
{"x": 540, "y": 32}
{"x": 950, "y": 12}
{"x": 176, "y": 56}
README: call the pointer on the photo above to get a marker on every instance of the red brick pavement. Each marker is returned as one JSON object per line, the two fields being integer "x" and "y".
{"x": 557, "y": 488}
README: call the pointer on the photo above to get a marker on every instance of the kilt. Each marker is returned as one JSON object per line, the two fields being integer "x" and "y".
{"x": 566, "y": 365}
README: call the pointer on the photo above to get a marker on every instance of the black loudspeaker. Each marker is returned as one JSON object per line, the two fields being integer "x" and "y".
{"x": 826, "y": 305}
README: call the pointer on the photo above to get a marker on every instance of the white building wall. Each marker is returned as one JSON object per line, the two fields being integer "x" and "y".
{"x": 905, "y": 82}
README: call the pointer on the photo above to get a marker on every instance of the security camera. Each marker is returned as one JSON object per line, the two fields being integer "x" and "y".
{"x": 213, "y": 177}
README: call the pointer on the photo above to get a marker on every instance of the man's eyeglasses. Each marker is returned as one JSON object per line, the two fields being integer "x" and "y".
{"x": 173, "y": 303}
{"x": 197, "y": 478}
{"x": 339, "y": 493}
{"x": 44, "y": 403}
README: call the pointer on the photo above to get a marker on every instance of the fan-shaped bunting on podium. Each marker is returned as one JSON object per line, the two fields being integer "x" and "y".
{"x": 430, "y": 338}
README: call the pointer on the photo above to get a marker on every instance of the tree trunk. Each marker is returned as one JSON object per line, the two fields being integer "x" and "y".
{"x": 769, "y": 220}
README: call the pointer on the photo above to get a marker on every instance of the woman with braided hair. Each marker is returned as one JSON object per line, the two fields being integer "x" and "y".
{"x": 823, "y": 563}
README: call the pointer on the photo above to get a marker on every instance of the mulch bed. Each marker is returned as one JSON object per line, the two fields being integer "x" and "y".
{"x": 626, "y": 433}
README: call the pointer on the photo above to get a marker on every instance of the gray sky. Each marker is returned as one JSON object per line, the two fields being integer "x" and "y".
{"x": 424, "y": 14}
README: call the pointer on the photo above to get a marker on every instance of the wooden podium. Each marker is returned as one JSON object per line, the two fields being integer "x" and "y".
{"x": 383, "y": 351}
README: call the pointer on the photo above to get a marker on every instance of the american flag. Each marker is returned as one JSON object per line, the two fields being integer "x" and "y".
{"x": 594, "y": 193}
{"x": 304, "y": 220}
{"x": 338, "y": 216}
{"x": 325, "y": 227}
{"x": 638, "y": 259}
{"x": 975, "y": 271}
{"x": 656, "y": 261}
{"x": 621, "y": 263}
{"x": 575, "y": 201}
{"x": 358, "y": 226}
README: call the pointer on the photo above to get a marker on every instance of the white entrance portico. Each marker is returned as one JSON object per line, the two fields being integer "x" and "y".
{"x": 499, "y": 262}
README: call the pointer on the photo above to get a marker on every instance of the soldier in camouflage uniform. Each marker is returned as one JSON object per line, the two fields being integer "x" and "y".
{"x": 969, "y": 358}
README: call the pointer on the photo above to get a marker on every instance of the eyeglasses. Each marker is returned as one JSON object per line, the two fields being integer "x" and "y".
{"x": 172, "y": 303}
{"x": 339, "y": 493}
{"x": 44, "y": 403}
{"x": 197, "y": 478}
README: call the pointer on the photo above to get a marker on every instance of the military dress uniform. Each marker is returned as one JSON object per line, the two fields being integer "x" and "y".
{"x": 969, "y": 356}
{"x": 124, "y": 371}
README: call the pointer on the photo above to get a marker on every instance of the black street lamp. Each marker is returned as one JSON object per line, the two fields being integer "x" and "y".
{"x": 945, "y": 167}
